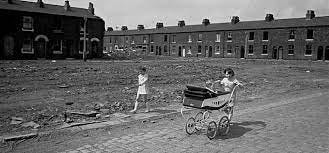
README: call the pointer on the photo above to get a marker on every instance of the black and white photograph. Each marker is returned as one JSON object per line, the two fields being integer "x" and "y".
{"x": 164, "y": 76}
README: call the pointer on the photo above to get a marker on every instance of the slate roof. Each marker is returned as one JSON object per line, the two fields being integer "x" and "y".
{"x": 245, "y": 25}
{"x": 25, "y": 6}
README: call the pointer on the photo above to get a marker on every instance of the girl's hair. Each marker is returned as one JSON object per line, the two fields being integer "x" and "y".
{"x": 229, "y": 71}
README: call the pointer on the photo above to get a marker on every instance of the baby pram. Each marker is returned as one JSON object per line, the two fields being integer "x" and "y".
{"x": 207, "y": 100}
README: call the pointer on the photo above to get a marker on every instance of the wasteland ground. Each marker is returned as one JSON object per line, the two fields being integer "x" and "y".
{"x": 39, "y": 92}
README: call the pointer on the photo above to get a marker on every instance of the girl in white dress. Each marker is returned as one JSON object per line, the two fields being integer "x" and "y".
{"x": 228, "y": 83}
{"x": 143, "y": 90}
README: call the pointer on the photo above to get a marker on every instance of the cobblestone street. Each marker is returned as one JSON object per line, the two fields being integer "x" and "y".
{"x": 298, "y": 126}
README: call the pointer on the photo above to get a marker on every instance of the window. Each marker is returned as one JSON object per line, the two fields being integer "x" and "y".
{"x": 291, "y": 49}
{"x": 309, "y": 34}
{"x": 189, "y": 51}
{"x": 217, "y": 37}
{"x": 57, "y": 24}
{"x": 229, "y": 36}
{"x": 152, "y": 49}
{"x": 110, "y": 40}
{"x": 156, "y": 49}
{"x": 173, "y": 38}
{"x": 127, "y": 39}
{"x": 132, "y": 40}
{"x": 165, "y": 49}
{"x": 265, "y": 35}
{"x": 229, "y": 49}
{"x": 27, "y": 46}
{"x": 308, "y": 51}
{"x": 251, "y": 50}
{"x": 151, "y": 39}
{"x": 200, "y": 37}
{"x": 292, "y": 34}
{"x": 144, "y": 39}
{"x": 165, "y": 38}
{"x": 217, "y": 50}
{"x": 27, "y": 23}
{"x": 199, "y": 49}
{"x": 189, "y": 38}
{"x": 264, "y": 50}
{"x": 251, "y": 36}
{"x": 57, "y": 46}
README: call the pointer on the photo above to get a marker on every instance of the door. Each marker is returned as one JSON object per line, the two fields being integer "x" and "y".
{"x": 320, "y": 53}
{"x": 160, "y": 52}
{"x": 179, "y": 51}
{"x": 8, "y": 46}
{"x": 94, "y": 49}
{"x": 41, "y": 48}
{"x": 183, "y": 51}
{"x": 210, "y": 51}
{"x": 280, "y": 52}
{"x": 275, "y": 53}
{"x": 206, "y": 51}
{"x": 242, "y": 52}
{"x": 326, "y": 55}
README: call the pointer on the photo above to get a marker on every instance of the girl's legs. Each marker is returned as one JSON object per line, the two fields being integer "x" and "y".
{"x": 136, "y": 104}
{"x": 147, "y": 104}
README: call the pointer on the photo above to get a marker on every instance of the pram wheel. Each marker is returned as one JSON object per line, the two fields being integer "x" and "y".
{"x": 212, "y": 130}
{"x": 198, "y": 121}
{"x": 190, "y": 126}
{"x": 223, "y": 126}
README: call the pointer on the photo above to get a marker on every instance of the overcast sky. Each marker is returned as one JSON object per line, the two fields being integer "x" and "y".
{"x": 131, "y": 13}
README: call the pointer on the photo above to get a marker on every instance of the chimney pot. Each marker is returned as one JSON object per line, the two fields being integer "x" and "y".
{"x": 10, "y": 1}
{"x": 91, "y": 8}
{"x": 269, "y": 17}
{"x": 235, "y": 20}
{"x": 109, "y": 29}
{"x": 181, "y": 23}
{"x": 124, "y": 28}
{"x": 205, "y": 22}
{"x": 140, "y": 27}
{"x": 159, "y": 25}
{"x": 40, "y": 4}
{"x": 310, "y": 14}
{"x": 67, "y": 5}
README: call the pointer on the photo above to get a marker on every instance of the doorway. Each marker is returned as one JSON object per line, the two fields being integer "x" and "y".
{"x": 242, "y": 52}
{"x": 326, "y": 55}
{"x": 179, "y": 51}
{"x": 210, "y": 51}
{"x": 280, "y": 52}
{"x": 8, "y": 46}
{"x": 41, "y": 48}
{"x": 320, "y": 53}
{"x": 275, "y": 53}
{"x": 94, "y": 49}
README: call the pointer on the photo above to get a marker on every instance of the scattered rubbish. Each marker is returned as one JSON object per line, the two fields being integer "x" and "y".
{"x": 31, "y": 124}
{"x": 107, "y": 116}
{"x": 68, "y": 103}
{"x": 16, "y": 120}
{"x": 98, "y": 115}
{"x": 53, "y": 61}
{"x": 308, "y": 71}
{"x": 105, "y": 111}
{"x": 88, "y": 114}
{"x": 63, "y": 86}
{"x": 109, "y": 132}
{"x": 153, "y": 121}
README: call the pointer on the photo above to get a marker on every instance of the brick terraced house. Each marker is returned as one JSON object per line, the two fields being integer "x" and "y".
{"x": 305, "y": 38}
{"x": 32, "y": 30}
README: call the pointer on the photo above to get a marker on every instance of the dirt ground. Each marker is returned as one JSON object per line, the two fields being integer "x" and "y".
{"x": 40, "y": 92}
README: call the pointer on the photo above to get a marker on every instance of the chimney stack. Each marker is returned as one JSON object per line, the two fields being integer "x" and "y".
{"x": 124, "y": 28}
{"x": 91, "y": 8}
{"x": 67, "y": 6}
{"x": 140, "y": 27}
{"x": 181, "y": 23}
{"x": 40, "y": 4}
{"x": 235, "y": 20}
{"x": 269, "y": 17}
{"x": 205, "y": 22}
{"x": 109, "y": 29}
{"x": 159, "y": 25}
{"x": 310, "y": 14}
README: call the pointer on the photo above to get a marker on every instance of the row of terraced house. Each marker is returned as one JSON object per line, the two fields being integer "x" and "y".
{"x": 33, "y": 30}
{"x": 305, "y": 38}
